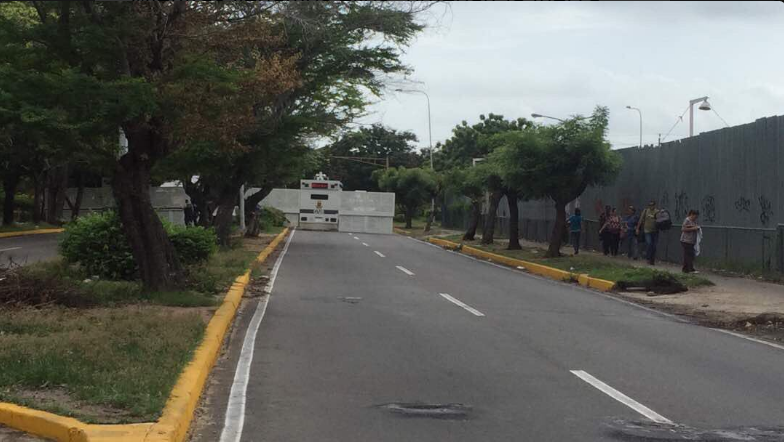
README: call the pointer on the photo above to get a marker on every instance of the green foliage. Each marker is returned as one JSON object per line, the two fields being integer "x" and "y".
{"x": 413, "y": 187}
{"x": 558, "y": 162}
{"x": 97, "y": 243}
{"x": 376, "y": 142}
{"x": 271, "y": 217}
{"x": 194, "y": 244}
{"x": 470, "y": 142}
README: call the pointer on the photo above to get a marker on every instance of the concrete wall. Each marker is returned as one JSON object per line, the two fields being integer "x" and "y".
{"x": 167, "y": 201}
{"x": 733, "y": 176}
{"x": 370, "y": 212}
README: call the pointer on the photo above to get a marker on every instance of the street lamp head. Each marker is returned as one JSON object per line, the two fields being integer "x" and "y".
{"x": 705, "y": 106}
{"x": 536, "y": 115}
{"x": 628, "y": 107}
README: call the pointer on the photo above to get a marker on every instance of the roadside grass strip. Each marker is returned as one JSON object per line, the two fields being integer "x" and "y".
{"x": 534, "y": 268}
{"x": 123, "y": 364}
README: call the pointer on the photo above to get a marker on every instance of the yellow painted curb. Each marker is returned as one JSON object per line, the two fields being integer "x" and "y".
{"x": 400, "y": 231}
{"x": 534, "y": 268}
{"x": 31, "y": 232}
{"x": 178, "y": 412}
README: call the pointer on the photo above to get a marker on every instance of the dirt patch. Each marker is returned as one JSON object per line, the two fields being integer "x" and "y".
{"x": 257, "y": 244}
{"x": 52, "y": 397}
{"x": 659, "y": 283}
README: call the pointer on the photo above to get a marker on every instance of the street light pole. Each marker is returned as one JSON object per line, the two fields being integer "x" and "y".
{"x": 429, "y": 136}
{"x": 639, "y": 112}
{"x": 704, "y": 106}
{"x": 535, "y": 115}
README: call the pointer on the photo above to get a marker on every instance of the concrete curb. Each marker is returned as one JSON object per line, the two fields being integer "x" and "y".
{"x": 31, "y": 232}
{"x": 400, "y": 231}
{"x": 534, "y": 268}
{"x": 178, "y": 412}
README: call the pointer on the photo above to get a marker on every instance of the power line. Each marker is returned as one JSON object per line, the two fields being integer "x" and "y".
{"x": 680, "y": 119}
{"x": 722, "y": 119}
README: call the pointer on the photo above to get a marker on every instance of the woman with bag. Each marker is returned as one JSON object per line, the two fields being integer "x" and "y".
{"x": 612, "y": 231}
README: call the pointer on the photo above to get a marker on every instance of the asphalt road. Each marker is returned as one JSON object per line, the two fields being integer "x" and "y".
{"x": 502, "y": 355}
{"x": 28, "y": 249}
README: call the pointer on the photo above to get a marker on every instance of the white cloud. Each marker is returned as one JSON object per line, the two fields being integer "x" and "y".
{"x": 565, "y": 58}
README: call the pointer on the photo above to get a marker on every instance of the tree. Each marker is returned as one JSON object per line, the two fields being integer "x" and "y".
{"x": 343, "y": 50}
{"x": 559, "y": 162}
{"x": 413, "y": 187}
{"x": 375, "y": 141}
{"x": 167, "y": 73}
{"x": 475, "y": 142}
{"x": 468, "y": 182}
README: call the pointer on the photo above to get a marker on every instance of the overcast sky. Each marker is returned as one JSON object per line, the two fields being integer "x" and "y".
{"x": 564, "y": 58}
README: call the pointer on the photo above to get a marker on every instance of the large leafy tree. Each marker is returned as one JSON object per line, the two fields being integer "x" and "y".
{"x": 478, "y": 141}
{"x": 559, "y": 162}
{"x": 342, "y": 52}
{"x": 413, "y": 187}
{"x": 376, "y": 142}
{"x": 168, "y": 73}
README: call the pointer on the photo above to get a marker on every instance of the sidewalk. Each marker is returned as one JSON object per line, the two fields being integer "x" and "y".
{"x": 734, "y": 302}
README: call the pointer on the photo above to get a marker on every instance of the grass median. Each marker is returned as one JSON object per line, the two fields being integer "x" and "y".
{"x": 106, "y": 351}
{"x": 605, "y": 268}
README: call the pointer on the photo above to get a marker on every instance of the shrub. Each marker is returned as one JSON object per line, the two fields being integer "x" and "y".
{"x": 271, "y": 217}
{"x": 97, "y": 243}
{"x": 400, "y": 218}
{"x": 194, "y": 244}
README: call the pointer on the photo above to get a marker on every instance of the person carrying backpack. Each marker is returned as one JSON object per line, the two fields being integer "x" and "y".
{"x": 612, "y": 230}
{"x": 647, "y": 225}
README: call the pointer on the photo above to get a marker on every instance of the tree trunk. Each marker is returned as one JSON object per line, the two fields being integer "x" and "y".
{"x": 10, "y": 183}
{"x": 159, "y": 266}
{"x": 558, "y": 229}
{"x": 514, "y": 221}
{"x": 476, "y": 213}
{"x": 430, "y": 218}
{"x": 77, "y": 206}
{"x": 37, "y": 198}
{"x": 409, "y": 217}
{"x": 252, "y": 213}
{"x": 55, "y": 195}
{"x": 223, "y": 218}
{"x": 489, "y": 229}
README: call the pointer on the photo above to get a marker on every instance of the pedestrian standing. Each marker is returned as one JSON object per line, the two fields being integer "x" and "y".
{"x": 689, "y": 231}
{"x": 575, "y": 228}
{"x": 647, "y": 225}
{"x": 603, "y": 236}
{"x": 612, "y": 229}
{"x": 628, "y": 234}
{"x": 188, "y": 213}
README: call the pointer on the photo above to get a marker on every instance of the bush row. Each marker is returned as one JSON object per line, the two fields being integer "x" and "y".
{"x": 97, "y": 243}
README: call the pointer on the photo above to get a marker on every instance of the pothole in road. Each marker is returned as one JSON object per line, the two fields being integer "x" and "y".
{"x": 451, "y": 411}
{"x": 352, "y": 300}
{"x": 641, "y": 430}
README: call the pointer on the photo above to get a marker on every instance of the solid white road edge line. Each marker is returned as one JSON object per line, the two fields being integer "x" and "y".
{"x": 619, "y": 396}
{"x": 379, "y": 254}
{"x": 462, "y": 305}
{"x": 405, "y": 270}
{"x": 365, "y": 244}
{"x": 235, "y": 410}
{"x": 745, "y": 337}
{"x": 10, "y": 249}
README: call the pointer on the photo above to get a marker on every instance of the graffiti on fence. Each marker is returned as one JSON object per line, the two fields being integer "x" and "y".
{"x": 681, "y": 204}
{"x": 665, "y": 200}
{"x": 765, "y": 210}
{"x": 743, "y": 204}
{"x": 709, "y": 208}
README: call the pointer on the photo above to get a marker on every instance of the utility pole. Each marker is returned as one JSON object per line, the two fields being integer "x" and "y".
{"x": 242, "y": 209}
